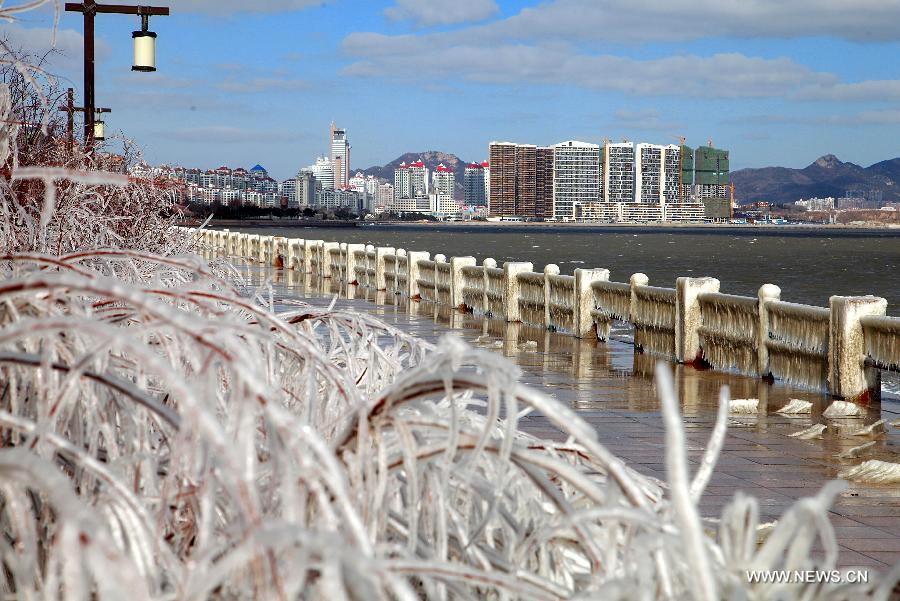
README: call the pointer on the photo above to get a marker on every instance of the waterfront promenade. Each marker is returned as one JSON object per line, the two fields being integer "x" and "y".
{"x": 611, "y": 386}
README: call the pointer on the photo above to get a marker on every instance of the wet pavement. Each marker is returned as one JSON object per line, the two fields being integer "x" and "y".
{"x": 612, "y": 387}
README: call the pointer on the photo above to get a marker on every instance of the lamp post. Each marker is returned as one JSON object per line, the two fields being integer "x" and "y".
{"x": 70, "y": 109}
{"x": 144, "y": 49}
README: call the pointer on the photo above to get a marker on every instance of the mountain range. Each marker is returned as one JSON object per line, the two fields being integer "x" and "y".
{"x": 826, "y": 176}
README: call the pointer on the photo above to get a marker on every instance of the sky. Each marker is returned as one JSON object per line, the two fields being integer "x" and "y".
{"x": 777, "y": 82}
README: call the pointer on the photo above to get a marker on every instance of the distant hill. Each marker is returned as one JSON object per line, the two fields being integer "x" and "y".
{"x": 826, "y": 176}
{"x": 431, "y": 158}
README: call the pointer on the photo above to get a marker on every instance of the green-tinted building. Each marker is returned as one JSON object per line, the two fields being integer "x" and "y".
{"x": 711, "y": 172}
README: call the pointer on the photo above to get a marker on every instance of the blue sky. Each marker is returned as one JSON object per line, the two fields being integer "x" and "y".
{"x": 777, "y": 82}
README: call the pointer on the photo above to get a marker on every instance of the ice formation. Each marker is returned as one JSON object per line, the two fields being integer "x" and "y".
{"x": 814, "y": 431}
{"x": 744, "y": 406}
{"x": 843, "y": 409}
{"x": 873, "y": 471}
{"x": 796, "y": 407}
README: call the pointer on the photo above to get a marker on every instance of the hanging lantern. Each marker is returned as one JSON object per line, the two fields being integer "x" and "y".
{"x": 144, "y": 48}
{"x": 99, "y": 130}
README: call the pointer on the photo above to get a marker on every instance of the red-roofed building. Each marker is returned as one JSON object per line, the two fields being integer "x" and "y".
{"x": 476, "y": 183}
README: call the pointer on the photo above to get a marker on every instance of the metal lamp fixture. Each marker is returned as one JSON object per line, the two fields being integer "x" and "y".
{"x": 99, "y": 130}
{"x": 144, "y": 47}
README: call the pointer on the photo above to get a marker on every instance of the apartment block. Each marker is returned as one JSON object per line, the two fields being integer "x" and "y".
{"x": 576, "y": 180}
{"x": 544, "y": 182}
{"x": 502, "y": 179}
{"x": 648, "y": 173}
{"x": 618, "y": 173}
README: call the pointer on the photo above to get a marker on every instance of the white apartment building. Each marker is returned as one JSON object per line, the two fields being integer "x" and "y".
{"x": 576, "y": 180}
{"x": 323, "y": 171}
{"x": 307, "y": 188}
{"x": 384, "y": 198}
{"x": 441, "y": 200}
{"x": 618, "y": 173}
{"x": 411, "y": 188}
{"x": 474, "y": 187}
{"x": 672, "y": 174}
{"x": 648, "y": 185}
{"x": 288, "y": 189}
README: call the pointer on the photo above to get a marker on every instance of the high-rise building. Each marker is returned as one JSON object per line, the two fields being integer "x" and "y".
{"x": 288, "y": 190}
{"x": 340, "y": 156}
{"x": 502, "y": 179}
{"x": 474, "y": 186}
{"x": 323, "y": 171}
{"x": 687, "y": 174}
{"x": 618, "y": 172}
{"x": 444, "y": 186}
{"x": 526, "y": 180}
{"x": 648, "y": 185}
{"x": 543, "y": 185}
{"x": 384, "y": 198}
{"x": 411, "y": 188}
{"x": 672, "y": 174}
{"x": 711, "y": 172}
{"x": 487, "y": 183}
{"x": 576, "y": 180}
{"x": 307, "y": 186}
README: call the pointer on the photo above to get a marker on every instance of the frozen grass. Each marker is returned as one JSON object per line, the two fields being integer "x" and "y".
{"x": 167, "y": 437}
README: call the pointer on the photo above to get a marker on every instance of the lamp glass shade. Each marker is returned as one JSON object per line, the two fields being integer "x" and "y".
{"x": 144, "y": 51}
{"x": 99, "y": 130}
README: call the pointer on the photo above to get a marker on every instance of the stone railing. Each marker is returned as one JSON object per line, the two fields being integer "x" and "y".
{"x": 840, "y": 348}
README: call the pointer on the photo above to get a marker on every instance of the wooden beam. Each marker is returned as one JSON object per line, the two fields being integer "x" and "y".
{"x": 119, "y": 9}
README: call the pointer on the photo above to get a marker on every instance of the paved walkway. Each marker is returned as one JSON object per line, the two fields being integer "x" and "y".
{"x": 612, "y": 388}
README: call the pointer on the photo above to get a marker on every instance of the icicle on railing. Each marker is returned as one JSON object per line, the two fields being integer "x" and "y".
{"x": 798, "y": 343}
{"x": 612, "y": 300}
{"x": 473, "y": 288}
{"x": 654, "y": 319}
{"x": 531, "y": 298}
{"x": 561, "y": 307}
{"x": 496, "y": 290}
{"x": 882, "y": 338}
{"x": 443, "y": 282}
{"x": 426, "y": 280}
{"x": 729, "y": 331}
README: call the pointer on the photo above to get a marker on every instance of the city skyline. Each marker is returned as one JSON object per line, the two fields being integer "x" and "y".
{"x": 764, "y": 86}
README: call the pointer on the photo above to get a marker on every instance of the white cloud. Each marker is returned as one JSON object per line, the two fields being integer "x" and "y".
{"x": 427, "y": 13}
{"x": 443, "y": 56}
{"x": 227, "y": 7}
{"x": 264, "y": 84}
{"x": 67, "y": 58}
{"x": 679, "y": 20}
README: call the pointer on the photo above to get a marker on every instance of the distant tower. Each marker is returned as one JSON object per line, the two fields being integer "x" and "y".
{"x": 340, "y": 156}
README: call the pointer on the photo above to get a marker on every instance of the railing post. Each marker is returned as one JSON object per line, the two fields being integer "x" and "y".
{"x": 511, "y": 287}
{"x": 291, "y": 252}
{"x": 310, "y": 248}
{"x": 638, "y": 279}
{"x": 584, "y": 300}
{"x": 485, "y": 301}
{"x": 456, "y": 279}
{"x": 687, "y": 316}
{"x": 848, "y": 375}
{"x": 767, "y": 292}
{"x": 350, "y": 264}
{"x": 325, "y": 258}
{"x": 380, "y": 252}
{"x": 550, "y": 269}
{"x": 226, "y": 241}
{"x": 263, "y": 243}
{"x": 412, "y": 276}
{"x": 277, "y": 252}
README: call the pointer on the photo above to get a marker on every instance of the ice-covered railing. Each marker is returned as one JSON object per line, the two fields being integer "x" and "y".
{"x": 729, "y": 331}
{"x": 815, "y": 346}
{"x": 560, "y": 305}
{"x": 425, "y": 281}
{"x": 653, "y": 317}
{"x": 882, "y": 336}
{"x": 473, "y": 280}
{"x": 443, "y": 282}
{"x": 797, "y": 342}
{"x": 532, "y": 297}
